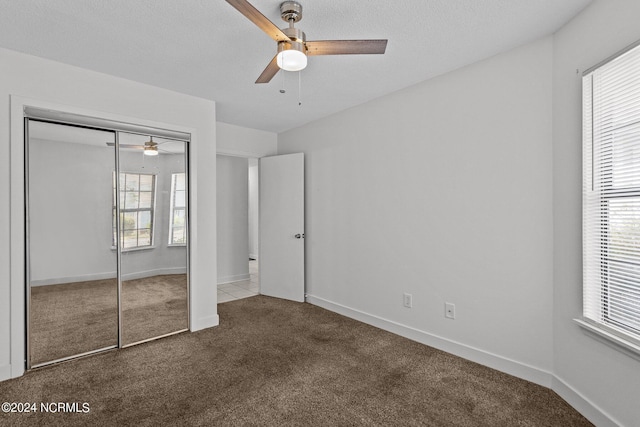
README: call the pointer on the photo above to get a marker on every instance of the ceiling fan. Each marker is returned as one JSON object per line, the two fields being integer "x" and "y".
{"x": 293, "y": 47}
{"x": 150, "y": 147}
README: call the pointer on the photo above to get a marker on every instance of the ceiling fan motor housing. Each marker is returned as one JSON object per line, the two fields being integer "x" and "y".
{"x": 291, "y": 11}
{"x": 295, "y": 34}
{"x": 297, "y": 37}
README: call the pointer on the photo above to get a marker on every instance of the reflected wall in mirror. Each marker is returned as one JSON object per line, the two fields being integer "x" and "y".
{"x": 153, "y": 236}
{"x": 72, "y": 269}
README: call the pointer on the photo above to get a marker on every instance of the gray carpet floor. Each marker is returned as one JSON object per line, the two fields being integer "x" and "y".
{"x": 75, "y": 318}
{"x": 273, "y": 363}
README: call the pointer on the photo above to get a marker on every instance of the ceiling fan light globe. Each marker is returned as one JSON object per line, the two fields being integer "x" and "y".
{"x": 291, "y": 60}
{"x": 150, "y": 151}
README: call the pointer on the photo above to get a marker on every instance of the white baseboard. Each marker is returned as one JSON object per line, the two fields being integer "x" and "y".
{"x": 509, "y": 366}
{"x": 108, "y": 275}
{"x": 73, "y": 279}
{"x": 205, "y": 322}
{"x": 157, "y": 272}
{"x": 503, "y": 364}
{"x": 583, "y": 405}
{"x": 5, "y": 372}
{"x": 11, "y": 371}
{"x": 231, "y": 279}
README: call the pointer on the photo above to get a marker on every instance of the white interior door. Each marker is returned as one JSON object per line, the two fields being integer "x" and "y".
{"x": 281, "y": 226}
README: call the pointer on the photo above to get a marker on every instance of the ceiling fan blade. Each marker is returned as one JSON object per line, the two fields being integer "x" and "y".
{"x": 139, "y": 147}
{"x": 268, "y": 73}
{"x": 259, "y": 19}
{"x": 346, "y": 47}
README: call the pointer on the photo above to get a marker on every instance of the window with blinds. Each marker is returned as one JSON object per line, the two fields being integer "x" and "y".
{"x": 611, "y": 198}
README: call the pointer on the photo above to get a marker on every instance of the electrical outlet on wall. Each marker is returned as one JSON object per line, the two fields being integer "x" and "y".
{"x": 449, "y": 310}
{"x": 408, "y": 300}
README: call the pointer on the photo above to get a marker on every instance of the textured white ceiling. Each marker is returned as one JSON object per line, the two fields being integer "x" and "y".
{"x": 208, "y": 49}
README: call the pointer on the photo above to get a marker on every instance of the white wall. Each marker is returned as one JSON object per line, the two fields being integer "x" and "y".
{"x": 233, "y": 218}
{"x": 239, "y": 141}
{"x": 70, "y": 188}
{"x": 27, "y": 80}
{"x": 443, "y": 191}
{"x": 602, "y": 375}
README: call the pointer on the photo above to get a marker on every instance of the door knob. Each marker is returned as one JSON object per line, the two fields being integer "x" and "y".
{"x": 299, "y": 236}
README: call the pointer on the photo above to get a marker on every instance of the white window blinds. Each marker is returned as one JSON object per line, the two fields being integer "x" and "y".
{"x": 611, "y": 196}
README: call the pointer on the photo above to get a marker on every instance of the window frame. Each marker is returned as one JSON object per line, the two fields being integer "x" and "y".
{"x": 603, "y": 325}
{"x": 118, "y": 192}
{"x": 173, "y": 208}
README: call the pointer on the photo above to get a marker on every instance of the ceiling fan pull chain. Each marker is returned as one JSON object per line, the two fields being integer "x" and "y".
{"x": 282, "y": 81}
{"x": 299, "y": 88}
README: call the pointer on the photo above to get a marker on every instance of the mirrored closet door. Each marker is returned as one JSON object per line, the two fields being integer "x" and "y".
{"x": 153, "y": 195}
{"x": 107, "y": 239}
{"x": 72, "y": 280}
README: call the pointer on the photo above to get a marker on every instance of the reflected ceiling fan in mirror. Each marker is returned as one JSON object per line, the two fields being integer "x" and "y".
{"x": 150, "y": 147}
{"x": 293, "y": 48}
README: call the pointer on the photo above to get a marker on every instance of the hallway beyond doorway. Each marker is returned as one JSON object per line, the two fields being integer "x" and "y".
{"x": 242, "y": 289}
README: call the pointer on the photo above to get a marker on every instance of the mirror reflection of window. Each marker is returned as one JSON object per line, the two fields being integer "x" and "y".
{"x": 177, "y": 230}
{"x": 137, "y": 196}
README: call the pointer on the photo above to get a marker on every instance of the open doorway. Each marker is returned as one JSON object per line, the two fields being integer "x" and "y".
{"x": 237, "y": 227}
{"x": 254, "y": 220}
